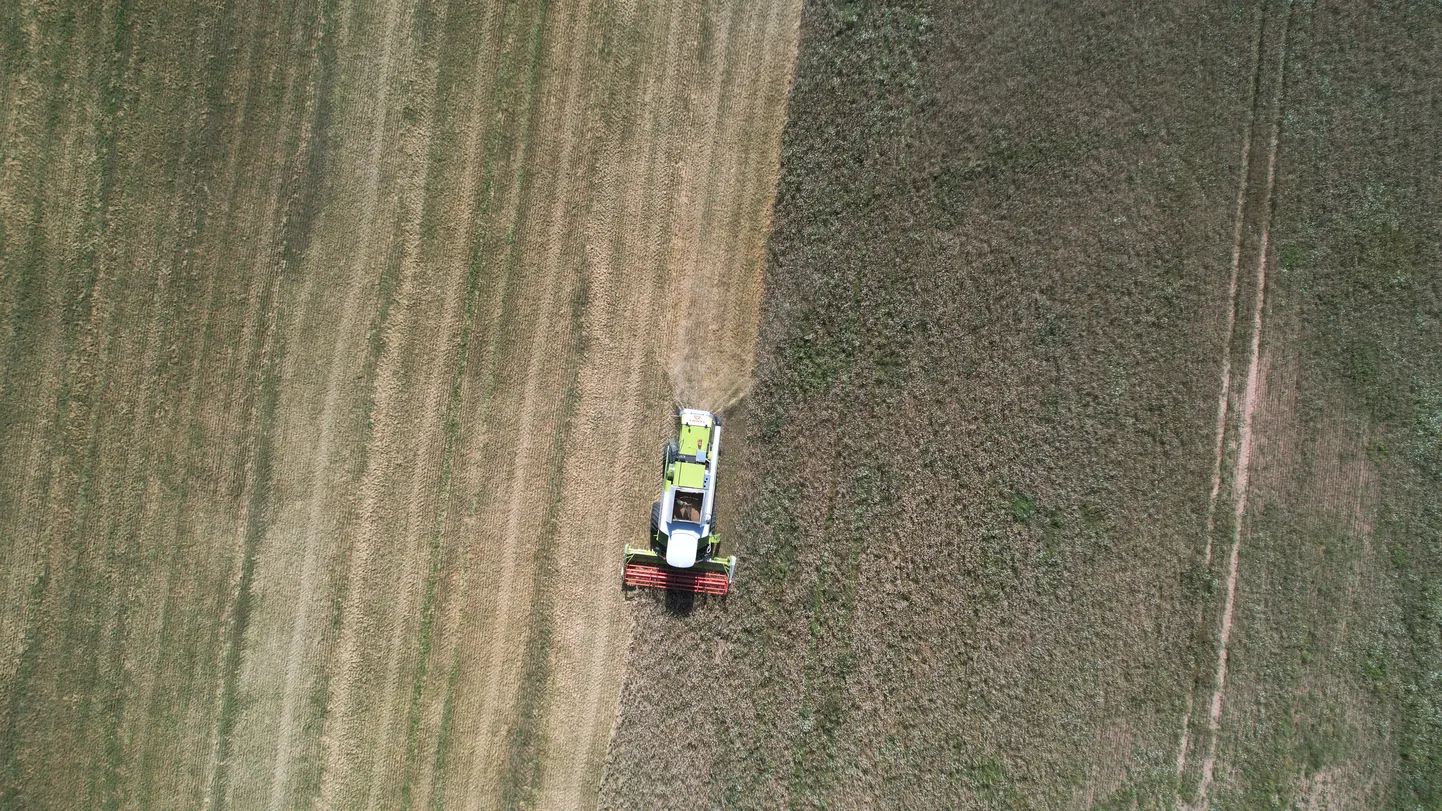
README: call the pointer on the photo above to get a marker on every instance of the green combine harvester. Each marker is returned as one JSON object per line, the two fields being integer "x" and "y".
{"x": 685, "y": 550}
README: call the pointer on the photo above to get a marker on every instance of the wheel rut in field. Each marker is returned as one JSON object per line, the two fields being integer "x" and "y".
{"x": 1247, "y": 398}
{"x": 1225, "y": 389}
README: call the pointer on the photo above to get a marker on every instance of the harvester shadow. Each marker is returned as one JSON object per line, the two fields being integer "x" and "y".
{"x": 675, "y": 603}
{"x": 679, "y": 603}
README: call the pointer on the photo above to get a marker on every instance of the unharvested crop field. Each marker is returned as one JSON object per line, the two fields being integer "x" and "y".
{"x": 336, "y": 340}
{"x": 1095, "y": 451}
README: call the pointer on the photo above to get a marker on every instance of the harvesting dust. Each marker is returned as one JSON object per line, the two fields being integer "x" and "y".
{"x": 710, "y": 365}
{"x": 715, "y": 302}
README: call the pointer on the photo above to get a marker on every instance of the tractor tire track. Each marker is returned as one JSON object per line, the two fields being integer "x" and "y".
{"x": 545, "y": 668}
{"x": 429, "y": 482}
{"x": 28, "y": 278}
{"x": 434, "y": 520}
{"x": 130, "y": 375}
{"x": 75, "y": 560}
{"x": 1248, "y": 400}
{"x": 493, "y": 258}
{"x": 145, "y": 633}
{"x": 322, "y": 528}
{"x": 25, "y": 288}
{"x": 235, "y": 374}
{"x": 1225, "y": 389}
{"x": 269, "y": 326}
{"x": 309, "y": 158}
{"x": 266, "y": 228}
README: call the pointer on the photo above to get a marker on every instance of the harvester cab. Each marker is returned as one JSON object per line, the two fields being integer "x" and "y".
{"x": 684, "y": 553}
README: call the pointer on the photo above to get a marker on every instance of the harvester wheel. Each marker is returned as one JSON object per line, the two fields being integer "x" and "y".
{"x": 655, "y": 518}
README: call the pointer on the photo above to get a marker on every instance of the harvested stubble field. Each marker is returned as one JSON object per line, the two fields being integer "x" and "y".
{"x": 334, "y": 341}
{"x": 1095, "y": 452}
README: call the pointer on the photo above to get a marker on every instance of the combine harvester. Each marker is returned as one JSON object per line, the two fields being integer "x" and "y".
{"x": 684, "y": 553}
